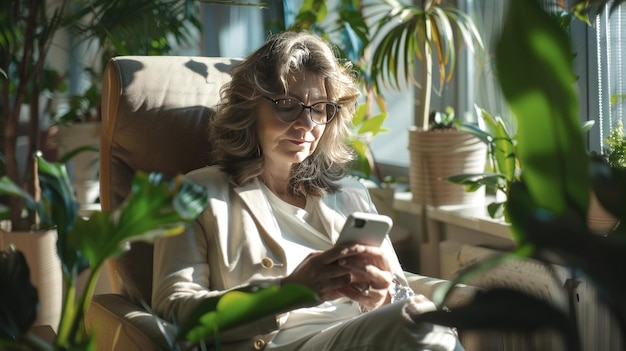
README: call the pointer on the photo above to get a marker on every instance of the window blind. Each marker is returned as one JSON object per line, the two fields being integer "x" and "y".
{"x": 610, "y": 41}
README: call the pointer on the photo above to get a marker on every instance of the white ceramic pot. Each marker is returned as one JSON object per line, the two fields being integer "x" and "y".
{"x": 437, "y": 155}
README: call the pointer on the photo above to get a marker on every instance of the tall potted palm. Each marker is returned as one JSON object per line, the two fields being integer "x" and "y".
{"x": 430, "y": 32}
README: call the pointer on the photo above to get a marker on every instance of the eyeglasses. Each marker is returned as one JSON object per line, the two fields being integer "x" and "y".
{"x": 289, "y": 110}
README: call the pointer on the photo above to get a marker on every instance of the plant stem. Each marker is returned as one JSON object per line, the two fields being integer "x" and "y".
{"x": 63, "y": 334}
{"x": 427, "y": 74}
{"x": 78, "y": 331}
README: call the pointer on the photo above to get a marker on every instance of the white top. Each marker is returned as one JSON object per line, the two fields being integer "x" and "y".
{"x": 301, "y": 236}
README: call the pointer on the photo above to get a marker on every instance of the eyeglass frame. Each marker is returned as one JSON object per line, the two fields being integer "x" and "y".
{"x": 309, "y": 107}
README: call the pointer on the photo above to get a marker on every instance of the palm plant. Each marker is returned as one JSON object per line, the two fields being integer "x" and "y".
{"x": 408, "y": 31}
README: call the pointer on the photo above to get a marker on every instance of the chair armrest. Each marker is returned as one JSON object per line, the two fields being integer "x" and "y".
{"x": 472, "y": 340}
{"x": 121, "y": 325}
{"x": 461, "y": 294}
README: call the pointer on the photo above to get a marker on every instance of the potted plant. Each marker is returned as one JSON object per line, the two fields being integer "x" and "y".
{"x": 502, "y": 162}
{"x": 600, "y": 220}
{"x": 547, "y": 208}
{"x": 431, "y": 32}
{"x": 29, "y": 30}
{"x": 77, "y": 137}
{"x": 165, "y": 207}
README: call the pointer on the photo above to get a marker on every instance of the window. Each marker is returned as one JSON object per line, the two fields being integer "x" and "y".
{"x": 599, "y": 63}
{"x": 607, "y": 67}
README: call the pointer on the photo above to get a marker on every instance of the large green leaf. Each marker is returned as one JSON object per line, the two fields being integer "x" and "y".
{"x": 8, "y": 187}
{"x": 502, "y": 145}
{"x": 540, "y": 92}
{"x": 155, "y": 207}
{"x": 238, "y": 307}
{"x": 58, "y": 198}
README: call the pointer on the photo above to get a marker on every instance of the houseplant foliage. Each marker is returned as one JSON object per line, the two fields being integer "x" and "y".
{"x": 365, "y": 129}
{"x": 350, "y": 35}
{"x": 547, "y": 208}
{"x": 429, "y": 32}
{"x": 502, "y": 162}
{"x": 615, "y": 153}
{"x": 410, "y": 41}
{"x": 155, "y": 207}
{"x": 27, "y": 30}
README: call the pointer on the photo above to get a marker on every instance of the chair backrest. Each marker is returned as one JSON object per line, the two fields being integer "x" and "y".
{"x": 155, "y": 111}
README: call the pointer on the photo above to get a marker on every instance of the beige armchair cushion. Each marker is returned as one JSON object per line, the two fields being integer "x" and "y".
{"x": 154, "y": 114}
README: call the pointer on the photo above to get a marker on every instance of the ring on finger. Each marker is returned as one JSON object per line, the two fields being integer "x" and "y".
{"x": 364, "y": 292}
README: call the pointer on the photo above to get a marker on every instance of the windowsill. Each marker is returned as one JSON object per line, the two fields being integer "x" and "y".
{"x": 470, "y": 217}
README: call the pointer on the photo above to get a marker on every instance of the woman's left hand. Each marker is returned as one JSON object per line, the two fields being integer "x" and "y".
{"x": 370, "y": 274}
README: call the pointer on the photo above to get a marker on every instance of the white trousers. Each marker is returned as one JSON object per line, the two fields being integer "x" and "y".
{"x": 384, "y": 329}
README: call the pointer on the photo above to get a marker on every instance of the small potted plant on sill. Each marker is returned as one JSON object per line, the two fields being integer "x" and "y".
{"x": 502, "y": 162}
{"x": 599, "y": 219}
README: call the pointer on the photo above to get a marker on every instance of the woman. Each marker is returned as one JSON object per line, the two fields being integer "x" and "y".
{"x": 279, "y": 198}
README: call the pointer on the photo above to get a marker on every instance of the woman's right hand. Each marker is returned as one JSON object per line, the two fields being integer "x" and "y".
{"x": 321, "y": 273}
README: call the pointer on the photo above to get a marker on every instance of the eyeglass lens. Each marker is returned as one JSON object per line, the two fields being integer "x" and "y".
{"x": 290, "y": 110}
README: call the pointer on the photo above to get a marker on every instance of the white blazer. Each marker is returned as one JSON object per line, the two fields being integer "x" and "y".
{"x": 235, "y": 242}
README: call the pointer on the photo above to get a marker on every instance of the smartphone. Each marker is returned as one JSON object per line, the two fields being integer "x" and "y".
{"x": 365, "y": 228}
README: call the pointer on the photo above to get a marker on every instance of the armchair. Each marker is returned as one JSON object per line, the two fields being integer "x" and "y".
{"x": 154, "y": 115}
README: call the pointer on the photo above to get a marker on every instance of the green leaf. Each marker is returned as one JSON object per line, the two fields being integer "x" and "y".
{"x": 8, "y": 187}
{"x": 237, "y": 307}
{"x": 58, "y": 194}
{"x": 359, "y": 114}
{"x": 155, "y": 207}
{"x": 473, "y": 181}
{"x": 373, "y": 125}
{"x": 362, "y": 162}
{"x": 540, "y": 92}
{"x": 504, "y": 151}
{"x": 496, "y": 209}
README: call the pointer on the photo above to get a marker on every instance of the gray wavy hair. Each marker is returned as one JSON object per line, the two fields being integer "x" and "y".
{"x": 233, "y": 132}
